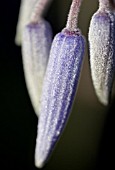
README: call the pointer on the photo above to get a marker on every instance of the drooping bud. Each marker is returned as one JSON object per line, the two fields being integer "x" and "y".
{"x": 102, "y": 50}
{"x": 60, "y": 84}
{"x": 37, "y": 39}
{"x": 36, "y": 45}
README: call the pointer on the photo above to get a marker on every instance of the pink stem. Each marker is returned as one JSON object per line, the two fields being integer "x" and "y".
{"x": 39, "y": 9}
{"x": 73, "y": 15}
{"x": 104, "y": 4}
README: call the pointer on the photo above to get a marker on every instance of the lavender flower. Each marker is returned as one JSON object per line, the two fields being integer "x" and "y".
{"x": 37, "y": 38}
{"x": 59, "y": 86}
{"x": 102, "y": 50}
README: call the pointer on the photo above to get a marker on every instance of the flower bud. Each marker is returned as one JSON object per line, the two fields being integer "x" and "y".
{"x": 58, "y": 91}
{"x": 102, "y": 51}
{"x": 60, "y": 84}
{"x": 37, "y": 38}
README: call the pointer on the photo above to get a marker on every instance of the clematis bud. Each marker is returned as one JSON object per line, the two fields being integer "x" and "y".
{"x": 60, "y": 84}
{"x": 37, "y": 38}
{"x": 36, "y": 45}
{"x": 102, "y": 50}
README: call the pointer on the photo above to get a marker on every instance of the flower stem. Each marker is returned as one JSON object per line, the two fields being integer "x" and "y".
{"x": 104, "y": 4}
{"x": 40, "y": 7}
{"x": 73, "y": 15}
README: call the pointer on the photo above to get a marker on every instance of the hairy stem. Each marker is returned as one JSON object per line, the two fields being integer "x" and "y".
{"x": 105, "y": 4}
{"x": 73, "y": 15}
{"x": 39, "y": 9}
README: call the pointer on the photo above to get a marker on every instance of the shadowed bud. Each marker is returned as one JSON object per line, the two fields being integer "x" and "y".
{"x": 37, "y": 39}
{"x": 36, "y": 45}
{"x": 102, "y": 50}
{"x": 59, "y": 87}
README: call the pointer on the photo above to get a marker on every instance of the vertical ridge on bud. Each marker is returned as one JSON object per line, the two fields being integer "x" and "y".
{"x": 102, "y": 50}
{"x": 59, "y": 87}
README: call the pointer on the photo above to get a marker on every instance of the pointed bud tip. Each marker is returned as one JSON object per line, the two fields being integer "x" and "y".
{"x": 103, "y": 96}
{"x": 39, "y": 163}
{"x": 104, "y": 101}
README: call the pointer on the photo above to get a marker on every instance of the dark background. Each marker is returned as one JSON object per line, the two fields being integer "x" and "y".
{"x": 88, "y": 140}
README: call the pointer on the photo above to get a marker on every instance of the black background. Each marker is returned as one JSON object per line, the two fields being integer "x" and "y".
{"x": 88, "y": 141}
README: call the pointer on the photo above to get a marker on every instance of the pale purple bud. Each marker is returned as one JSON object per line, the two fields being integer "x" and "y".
{"x": 37, "y": 38}
{"x": 59, "y": 90}
{"x": 102, "y": 51}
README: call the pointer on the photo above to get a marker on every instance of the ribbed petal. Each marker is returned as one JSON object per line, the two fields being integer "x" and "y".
{"x": 36, "y": 45}
{"x": 59, "y": 89}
